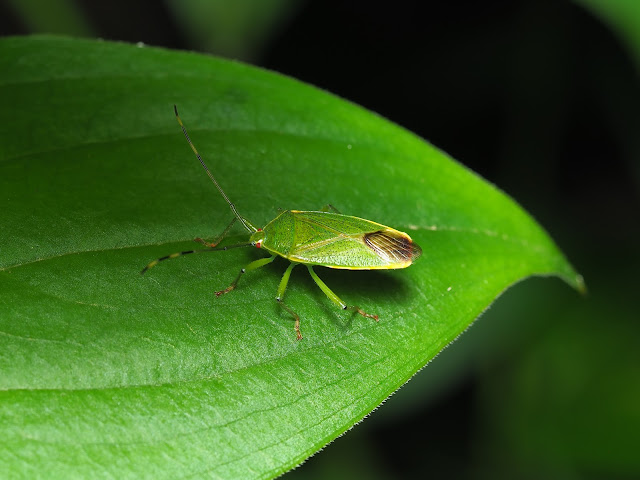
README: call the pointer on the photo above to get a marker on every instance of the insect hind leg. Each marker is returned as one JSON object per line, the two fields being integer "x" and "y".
{"x": 279, "y": 298}
{"x": 335, "y": 299}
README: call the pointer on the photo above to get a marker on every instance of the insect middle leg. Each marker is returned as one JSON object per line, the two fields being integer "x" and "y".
{"x": 335, "y": 299}
{"x": 279, "y": 298}
{"x": 261, "y": 262}
{"x": 219, "y": 238}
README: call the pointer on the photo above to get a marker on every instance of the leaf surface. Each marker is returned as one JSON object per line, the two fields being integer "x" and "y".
{"x": 105, "y": 370}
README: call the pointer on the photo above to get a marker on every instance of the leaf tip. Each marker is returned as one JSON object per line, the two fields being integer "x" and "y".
{"x": 580, "y": 285}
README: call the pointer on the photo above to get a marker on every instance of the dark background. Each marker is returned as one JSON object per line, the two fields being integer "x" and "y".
{"x": 541, "y": 98}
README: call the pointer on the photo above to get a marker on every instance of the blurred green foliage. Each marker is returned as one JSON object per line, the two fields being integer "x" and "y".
{"x": 238, "y": 29}
{"x": 57, "y": 16}
{"x": 623, "y": 17}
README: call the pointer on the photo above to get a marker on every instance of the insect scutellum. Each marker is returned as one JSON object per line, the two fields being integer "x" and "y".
{"x": 324, "y": 238}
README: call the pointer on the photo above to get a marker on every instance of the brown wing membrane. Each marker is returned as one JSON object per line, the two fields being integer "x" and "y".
{"x": 393, "y": 246}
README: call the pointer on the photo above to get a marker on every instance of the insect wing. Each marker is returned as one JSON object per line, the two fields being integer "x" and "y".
{"x": 393, "y": 246}
{"x": 341, "y": 241}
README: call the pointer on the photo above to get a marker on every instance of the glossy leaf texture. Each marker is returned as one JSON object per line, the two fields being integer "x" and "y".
{"x": 107, "y": 371}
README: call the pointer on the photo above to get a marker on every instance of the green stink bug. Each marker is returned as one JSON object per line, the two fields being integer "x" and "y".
{"x": 326, "y": 238}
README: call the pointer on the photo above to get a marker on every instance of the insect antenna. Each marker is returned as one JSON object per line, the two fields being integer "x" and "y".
{"x": 245, "y": 223}
{"x": 188, "y": 252}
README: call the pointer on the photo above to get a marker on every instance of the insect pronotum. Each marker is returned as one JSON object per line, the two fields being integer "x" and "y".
{"x": 325, "y": 238}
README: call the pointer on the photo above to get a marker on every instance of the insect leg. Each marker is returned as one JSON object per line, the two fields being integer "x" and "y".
{"x": 329, "y": 208}
{"x": 252, "y": 266}
{"x": 335, "y": 299}
{"x": 279, "y": 298}
{"x": 219, "y": 237}
{"x": 166, "y": 257}
{"x": 202, "y": 250}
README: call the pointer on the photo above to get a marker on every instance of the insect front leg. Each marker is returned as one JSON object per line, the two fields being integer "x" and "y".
{"x": 219, "y": 238}
{"x": 335, "y": 299}
{"x": 252, "y": 266}
{"x": 279, "y": 298}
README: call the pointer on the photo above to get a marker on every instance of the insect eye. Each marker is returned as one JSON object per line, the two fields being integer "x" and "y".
{"x": 258, "y": 244}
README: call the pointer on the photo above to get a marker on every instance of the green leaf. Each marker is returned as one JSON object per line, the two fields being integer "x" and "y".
{"x": 107, "y": 371}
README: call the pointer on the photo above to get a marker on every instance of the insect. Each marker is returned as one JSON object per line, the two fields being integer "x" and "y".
{"x": 324, "y": 238}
